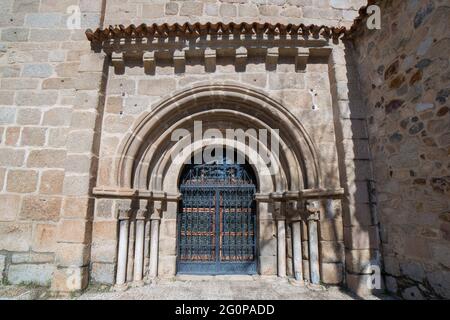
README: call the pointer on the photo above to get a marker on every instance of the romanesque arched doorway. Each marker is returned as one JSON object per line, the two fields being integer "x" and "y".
{"x": 151, "y": 165}
{"x": 216, "y": 222}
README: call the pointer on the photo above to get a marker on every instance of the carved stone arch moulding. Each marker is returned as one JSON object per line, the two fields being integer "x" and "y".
{"x": 145, "y": 157}
{"x": 144, "y": 151}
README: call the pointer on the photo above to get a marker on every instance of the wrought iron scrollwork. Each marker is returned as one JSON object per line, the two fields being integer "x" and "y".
{"x": 217, "y": 220}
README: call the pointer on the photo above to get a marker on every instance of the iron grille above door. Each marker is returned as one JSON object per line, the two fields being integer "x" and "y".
{"x": 217, "y": 220}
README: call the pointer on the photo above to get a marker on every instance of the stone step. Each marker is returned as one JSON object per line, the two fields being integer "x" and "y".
{"x": 189, "y": 277}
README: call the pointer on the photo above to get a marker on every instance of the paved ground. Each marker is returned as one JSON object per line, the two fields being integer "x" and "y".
{"x": 199, "y": 288}
{"x": 224, "y": 288}
{"x": 23, "y": 293}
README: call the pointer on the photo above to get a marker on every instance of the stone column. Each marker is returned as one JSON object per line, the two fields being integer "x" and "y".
{"x": 147, "y": 247}
{"x": 281, "y": 232}
{"x": 281, "y": 237}
{"x": 297, "y": 248}
{"x": 294, "y": 210}
{"x": 139, "y": 247}
{"x": 122, "y": 257}
{"x": 155, "y": 219}
{"x": 313, "y": 211}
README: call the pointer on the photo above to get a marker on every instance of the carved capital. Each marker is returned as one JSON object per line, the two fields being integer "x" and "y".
{"x": 141, "y": 214}
{"x": 293, "y": 207}
{"x": 294, "y": 210}
{"x": 279, "y": 209}
{"x": 124, "y": 212}
{"x": 314, "y": 217}
{"x": 312, "y": 208}
{"x": 157, "y": 210}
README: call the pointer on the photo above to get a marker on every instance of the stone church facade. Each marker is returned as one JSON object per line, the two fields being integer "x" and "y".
{"x": 92, "y": 189}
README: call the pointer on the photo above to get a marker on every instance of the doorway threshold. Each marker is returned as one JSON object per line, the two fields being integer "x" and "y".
{"x": 231, "y": 277}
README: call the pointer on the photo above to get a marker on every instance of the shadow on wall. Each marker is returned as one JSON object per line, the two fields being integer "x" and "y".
{"x": 359, "y": 216}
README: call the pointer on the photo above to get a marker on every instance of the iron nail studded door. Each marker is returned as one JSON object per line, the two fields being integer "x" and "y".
{"x": 217, "y": 221}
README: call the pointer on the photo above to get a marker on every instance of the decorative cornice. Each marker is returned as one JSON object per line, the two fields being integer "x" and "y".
{"x": 166, "y": 30}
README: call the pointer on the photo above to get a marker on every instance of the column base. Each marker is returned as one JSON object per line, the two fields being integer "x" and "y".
{"x": 315, "y": 287}
{"x": 150, "y": 280}
{"x": 120, "y": 287}
{"x": 284, "y": 279}
{"x": 268, "y": 278}
{"x": 136, "y": 284}
{"x": 297, "y": 283}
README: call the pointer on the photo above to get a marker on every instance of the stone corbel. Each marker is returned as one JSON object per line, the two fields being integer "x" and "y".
{"x": 272, "y": 56}
{"x": 179, "y": 60}
{"x": 210, "y": 60}
{"x": 241, "y": 58}
{"x": 148, "y": 59}
{"x": 118, "y": 62}
{"x": 301, "y": 59}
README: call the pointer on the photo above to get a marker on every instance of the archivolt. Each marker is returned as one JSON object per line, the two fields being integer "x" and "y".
{"x": 146, "y": 152}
